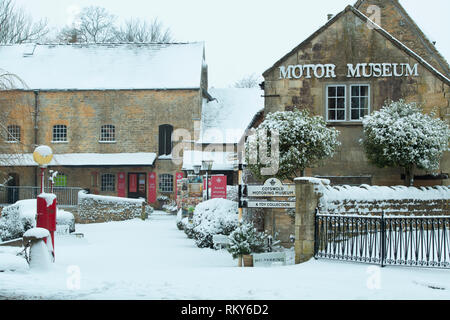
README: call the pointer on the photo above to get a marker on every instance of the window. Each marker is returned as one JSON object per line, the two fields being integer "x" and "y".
{"x": 165, "y": 139}
{"x": 59, "y": 133}
{"x": 13, "y": 133}
{"x": 108, "y": 182}
{"x": 359, "y": 101}
{"x": 336, "y": 103}
{"x": 60, "y": 180}
{"x": 108, "y": 133}
{"x": 165, "y": 182}
{"x": 337, "y": 107}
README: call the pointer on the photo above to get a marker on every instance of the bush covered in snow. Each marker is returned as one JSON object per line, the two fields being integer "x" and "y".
{"x": 245, "y": 239}
{"x": 12, "y": 226}
{"x": 216, "y": 216}
{"x": 401, "y": 135}
{"x": 21, "y": 216}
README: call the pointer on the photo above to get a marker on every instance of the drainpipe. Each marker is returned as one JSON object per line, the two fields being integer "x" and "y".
{"x": 36, "y": 129}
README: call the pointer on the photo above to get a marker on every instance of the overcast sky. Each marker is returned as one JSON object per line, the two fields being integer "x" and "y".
{"x": 242, "y": 36}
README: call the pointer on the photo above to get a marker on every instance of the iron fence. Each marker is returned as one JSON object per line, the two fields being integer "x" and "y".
{"x": 66, "y": 196}
{"x": 385, "y": 240}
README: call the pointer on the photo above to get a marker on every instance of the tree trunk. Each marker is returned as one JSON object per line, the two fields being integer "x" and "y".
{"x": 240, "y": 261}
{"x": 409, "y": 176}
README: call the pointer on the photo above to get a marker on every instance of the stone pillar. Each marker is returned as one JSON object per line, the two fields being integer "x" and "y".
{"x": 306, "y": 203}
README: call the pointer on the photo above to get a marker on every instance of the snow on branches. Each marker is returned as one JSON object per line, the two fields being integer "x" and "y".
{"x": 304, "y": 140}
{"x": 401, "y": 135}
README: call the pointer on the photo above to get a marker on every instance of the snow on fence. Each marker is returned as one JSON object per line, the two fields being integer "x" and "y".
{"x": 373, "y": 200}
{"x": 95, "y": 208}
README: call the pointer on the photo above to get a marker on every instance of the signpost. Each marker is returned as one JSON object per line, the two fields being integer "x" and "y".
{"x": 219, "y": 186}
{"x": 271, "y": 188}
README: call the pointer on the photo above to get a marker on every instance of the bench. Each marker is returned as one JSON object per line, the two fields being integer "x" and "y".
{"x": 220, "y": 240}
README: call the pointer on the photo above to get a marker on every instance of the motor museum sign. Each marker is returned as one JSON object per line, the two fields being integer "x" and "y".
{"x": 359, "y": 70}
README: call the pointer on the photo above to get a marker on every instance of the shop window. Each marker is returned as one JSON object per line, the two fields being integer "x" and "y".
{"x": 336, "y": 103}
{"x": 165, "y": 182}
{"x": 359, "y": 101}
{"x": 59, "y": 133}
{"x": 165, "y": 139}
{"x": 108, "y": 182}
{"x": 13, "y": 134}
{"x": 60, "y": 180}
{"x": 108, "y": 133}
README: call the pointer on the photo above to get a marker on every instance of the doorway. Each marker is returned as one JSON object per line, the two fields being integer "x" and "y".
{"x": 137, "y": 186}
{"x": 13, "y": 188}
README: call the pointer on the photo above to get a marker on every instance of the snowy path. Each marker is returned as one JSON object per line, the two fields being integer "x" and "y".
{"x": 154, "y": 260}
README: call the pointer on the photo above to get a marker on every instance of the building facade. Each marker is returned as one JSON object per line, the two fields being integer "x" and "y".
{"x": 107, "y": 111}
{"x": 349, "y": 68}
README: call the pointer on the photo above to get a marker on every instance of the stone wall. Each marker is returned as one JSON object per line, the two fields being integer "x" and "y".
{"x": 96, "y": 209}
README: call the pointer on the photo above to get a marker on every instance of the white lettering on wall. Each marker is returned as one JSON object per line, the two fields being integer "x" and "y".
{"x": 360, "y": 70}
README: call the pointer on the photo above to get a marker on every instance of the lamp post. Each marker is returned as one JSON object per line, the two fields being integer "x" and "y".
{"x": 207, "y": 166}
{"x": 46, "y": 212}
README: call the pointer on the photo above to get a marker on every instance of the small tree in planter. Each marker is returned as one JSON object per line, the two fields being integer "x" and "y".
{"x": 245, "y": 240}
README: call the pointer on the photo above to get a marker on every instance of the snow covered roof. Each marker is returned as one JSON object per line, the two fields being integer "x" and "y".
{"x": 221, "y": 160}
{"x": 105, "y": 66}
{"x": 225, "y": 118}
{"x": 83, "y": 159}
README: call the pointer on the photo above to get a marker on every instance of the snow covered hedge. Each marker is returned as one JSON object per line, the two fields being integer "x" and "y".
{"x": 216, "y": 216}
{"x": 16, "y": 219}
{"x": 396, "y": 200}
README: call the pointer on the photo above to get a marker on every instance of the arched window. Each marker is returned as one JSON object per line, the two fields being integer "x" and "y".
{"x": 108, "y": 133}
{"x": 165, "y": 139}
{"x": 59, "y": 133}
{"x": 165, "y": 182}
{"x": 13, "y": 133}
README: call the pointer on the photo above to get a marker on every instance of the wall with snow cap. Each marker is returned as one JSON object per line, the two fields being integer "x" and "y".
{"x": 95, "y": 208}
{"x": 373, "y": 200}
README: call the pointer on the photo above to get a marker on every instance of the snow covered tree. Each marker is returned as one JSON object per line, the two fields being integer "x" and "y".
{"x": 249, "y": 81}
{"x": 304, "y": 140}
{"x": 245, "y": 239}
{"x": 401, "y": 135}
{"x": 18, "y": 27}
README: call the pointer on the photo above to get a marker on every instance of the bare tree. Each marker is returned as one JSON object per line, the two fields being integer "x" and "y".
{"x": 92, "y": 25}
{"x": 136, "y": 30}
{"x": 249, "y": 81}
{"x": 18, "y": 27}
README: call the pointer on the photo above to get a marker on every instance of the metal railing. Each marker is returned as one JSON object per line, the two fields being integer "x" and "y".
{"x": 385, "y": 240}
{"x": 66, "y": 196}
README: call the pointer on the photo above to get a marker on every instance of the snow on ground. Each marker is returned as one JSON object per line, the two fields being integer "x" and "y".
{"x": 152, "y": 259}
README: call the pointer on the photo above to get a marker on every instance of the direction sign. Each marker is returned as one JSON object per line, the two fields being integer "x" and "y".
{"x": 271, "y": 188}
{"x": 268, "y": 204}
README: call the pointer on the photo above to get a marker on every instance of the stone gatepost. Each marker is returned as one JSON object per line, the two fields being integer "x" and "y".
{"x": 307, "y": 198}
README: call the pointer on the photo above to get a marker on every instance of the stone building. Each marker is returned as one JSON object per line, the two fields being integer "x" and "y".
{"x": 349, "y": 68}
{"x": 106, "y": 110}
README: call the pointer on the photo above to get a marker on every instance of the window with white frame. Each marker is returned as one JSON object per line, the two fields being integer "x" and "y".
{"x": 359, "y": 101}
{"x": 336, "y": 101}
{"x": 59, "y": 133}
{"x": 108, "y": 133}
{"x": 165, "y": 182}
{"x": 13, "y": 133}
{"x": 347, "y": 103}
{"x": 108, "y": 182}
